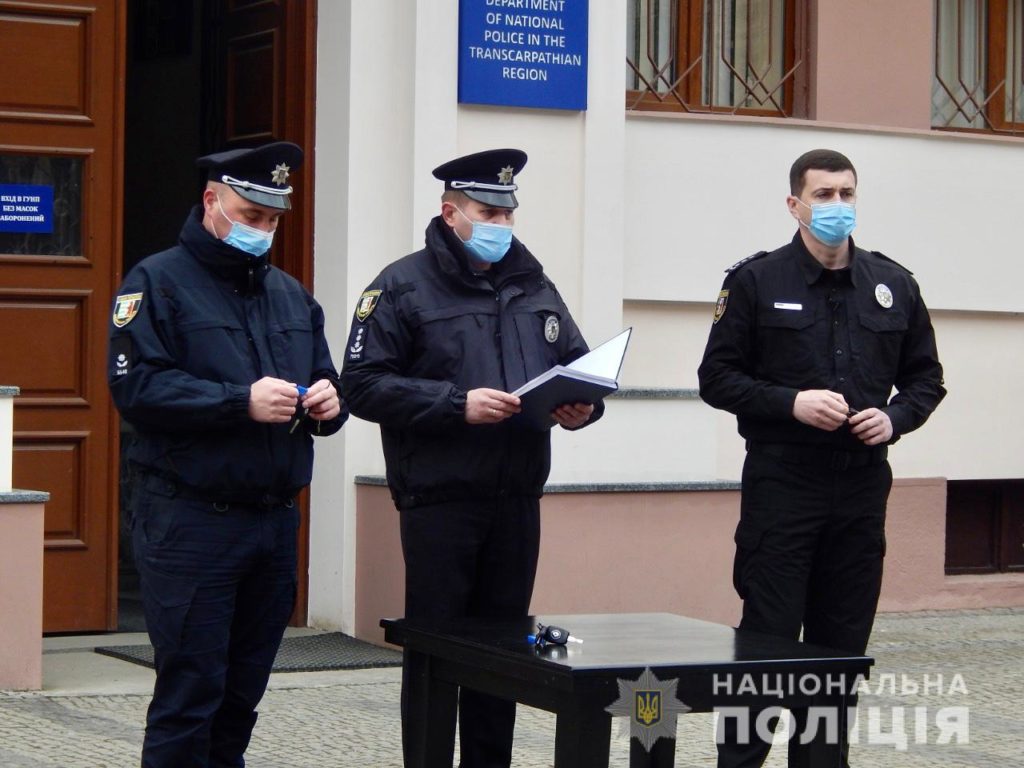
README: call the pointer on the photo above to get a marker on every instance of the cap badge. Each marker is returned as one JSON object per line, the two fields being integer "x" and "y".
{"x": 551, "y": 329}
{"x": 883, "y": 295}
{"x": 505, "y": 175}
{"x": 280, "y": 174}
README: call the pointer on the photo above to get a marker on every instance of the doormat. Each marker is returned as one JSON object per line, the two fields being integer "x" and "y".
{"x": 309, "y": 653}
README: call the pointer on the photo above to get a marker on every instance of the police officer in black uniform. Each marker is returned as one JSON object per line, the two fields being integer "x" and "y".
{"x": 219, "y": 362}
{"x": 438, "y": 341}
{"x": 806, "y": 347}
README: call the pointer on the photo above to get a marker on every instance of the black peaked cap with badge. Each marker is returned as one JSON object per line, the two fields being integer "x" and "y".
{"x": 487, "y": 177}
{"x": 259, "y": 174}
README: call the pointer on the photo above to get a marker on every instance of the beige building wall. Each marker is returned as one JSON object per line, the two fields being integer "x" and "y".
{"x": 635, "y": 217}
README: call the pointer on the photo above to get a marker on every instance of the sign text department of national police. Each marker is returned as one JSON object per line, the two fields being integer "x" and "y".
{"x": 523, "y": 53}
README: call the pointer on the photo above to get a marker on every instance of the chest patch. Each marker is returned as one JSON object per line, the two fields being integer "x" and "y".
{"x": 126, "y": 307}
{"x": 367, "y": 303}
{"x": 883, "y": 295}
{"x": 551, "y": 329}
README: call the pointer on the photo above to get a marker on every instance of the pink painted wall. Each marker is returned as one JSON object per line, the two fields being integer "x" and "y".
{"x": 638, "y": 552}
{"x": 874, "y": 62}
{"x": 630, "y": 552}
{"x": 21, "y": 596}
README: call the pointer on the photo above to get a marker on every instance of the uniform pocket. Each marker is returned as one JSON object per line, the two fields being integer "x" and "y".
{"x": 291, "y": 345}
{"x": 787, "y": 350}
{"x": 879, "y": 343}
{"x": 153, "y": 522}
{"x": 166, "y": 601}
{"x": 198, "y": 336}
{"x": 748, "y": 541}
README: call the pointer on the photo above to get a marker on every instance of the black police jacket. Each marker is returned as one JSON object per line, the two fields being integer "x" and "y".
{"x": 784, "y": 323}
{"x": 193, "y": 327}
{"x": 426, "y": 331}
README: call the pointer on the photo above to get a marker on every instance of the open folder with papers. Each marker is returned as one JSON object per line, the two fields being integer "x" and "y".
{"x": 585, "y": 380}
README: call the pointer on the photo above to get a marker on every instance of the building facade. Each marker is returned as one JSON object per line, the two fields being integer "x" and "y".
{"x": 677, "y": 168}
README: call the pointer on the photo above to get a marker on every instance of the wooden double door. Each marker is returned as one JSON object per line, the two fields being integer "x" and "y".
{"x": 104, "y": 105}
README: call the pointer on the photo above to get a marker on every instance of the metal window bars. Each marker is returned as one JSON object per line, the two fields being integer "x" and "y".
{"x": 725, "y": 56}
{"x": 979, "y": 77}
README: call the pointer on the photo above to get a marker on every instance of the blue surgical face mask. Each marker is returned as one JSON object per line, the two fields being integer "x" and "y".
{"x": 489, "y": 242}
{"x": 831, "y": 223}
{"x": 253, "y": 241}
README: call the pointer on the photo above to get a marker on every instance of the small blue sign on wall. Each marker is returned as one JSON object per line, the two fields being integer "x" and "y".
{"x": 523, "y": 53}
{"x": 26, "y": 208}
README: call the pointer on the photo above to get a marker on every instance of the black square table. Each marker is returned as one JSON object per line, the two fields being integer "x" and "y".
{"x": 578, "y": 682}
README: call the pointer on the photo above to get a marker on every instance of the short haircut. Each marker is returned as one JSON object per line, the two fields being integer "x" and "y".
{"x": 454, "y": 196}
{"x": 817, "y": 160}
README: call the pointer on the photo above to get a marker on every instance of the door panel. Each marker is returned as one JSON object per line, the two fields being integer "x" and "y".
{"x": 60, "y": 126}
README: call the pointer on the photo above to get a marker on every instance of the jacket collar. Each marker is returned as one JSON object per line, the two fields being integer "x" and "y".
{"x": 453, "y": 259}
{"x": 245, "y": 272}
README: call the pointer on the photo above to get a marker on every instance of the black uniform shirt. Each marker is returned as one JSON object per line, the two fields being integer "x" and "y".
{"x": 785, "y": 324}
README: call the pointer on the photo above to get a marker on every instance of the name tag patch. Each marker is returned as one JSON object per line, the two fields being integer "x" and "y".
{"x": 788, "y": 305}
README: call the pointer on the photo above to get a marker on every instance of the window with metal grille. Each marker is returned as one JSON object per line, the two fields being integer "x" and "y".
{"x": 979, "y": 77}
{"x": 727, "y": 56}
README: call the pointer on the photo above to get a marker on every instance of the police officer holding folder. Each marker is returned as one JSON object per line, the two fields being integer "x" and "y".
{"x": 438, "y": 341}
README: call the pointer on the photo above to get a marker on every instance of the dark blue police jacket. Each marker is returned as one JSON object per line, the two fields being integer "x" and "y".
{"x": 427, "y": 331}
{"x": 192, "y": 328}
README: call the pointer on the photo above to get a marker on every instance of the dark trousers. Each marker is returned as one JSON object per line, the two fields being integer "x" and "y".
{"x": 472, "y": 559}
{"x": 218, "y": 587}
{"x": 809, "y": 551}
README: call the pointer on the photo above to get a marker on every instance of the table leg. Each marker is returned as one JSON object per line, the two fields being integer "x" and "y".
{"x": 582, "y": 737}
{"x": 429, "y": 709}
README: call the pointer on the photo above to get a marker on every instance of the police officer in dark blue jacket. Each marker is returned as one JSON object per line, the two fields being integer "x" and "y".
{"x": 807, "y": 345}
{"x": 439, "y": 340}
{"x": 219, "y": 362}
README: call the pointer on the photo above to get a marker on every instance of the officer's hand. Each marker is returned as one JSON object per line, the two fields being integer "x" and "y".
{"x": 872, "y": 426}
{"x": 322, "y": 401}
{"x": 272, "y": 400}
{"x": 572, "y": 416}
{"x": 489, "y": 406}
{"x": 821, "y": 408}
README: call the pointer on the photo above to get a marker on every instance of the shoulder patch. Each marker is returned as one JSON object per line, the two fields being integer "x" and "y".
{"x": 747, "y": 260}
{"x": 367, "y": 303}
{"x": 882, "y": 256}
{"x": 126, "y": 307}
{"x": 723, "y": 300}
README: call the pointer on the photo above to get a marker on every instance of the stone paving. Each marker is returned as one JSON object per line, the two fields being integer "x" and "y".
{"x": 351, "y": 718}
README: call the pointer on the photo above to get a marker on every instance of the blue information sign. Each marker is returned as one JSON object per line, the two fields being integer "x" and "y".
{"x": 523, "y": 53}
{"x": 26, "y": 208}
